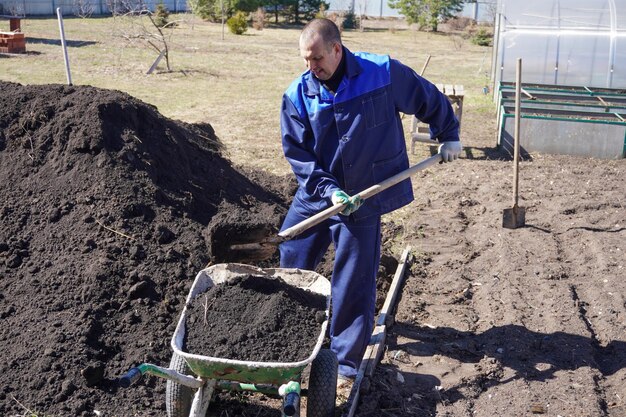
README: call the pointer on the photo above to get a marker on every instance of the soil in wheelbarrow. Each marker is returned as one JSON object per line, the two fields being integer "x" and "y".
{"x": 253, "y": 318}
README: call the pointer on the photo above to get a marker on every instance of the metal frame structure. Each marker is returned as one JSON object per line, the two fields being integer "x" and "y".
{"x": 565, "y": 120}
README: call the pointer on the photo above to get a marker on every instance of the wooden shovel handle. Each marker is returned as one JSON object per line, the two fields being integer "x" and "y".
{"x": 516, "y": 138}
{"x": 365, "y": 194}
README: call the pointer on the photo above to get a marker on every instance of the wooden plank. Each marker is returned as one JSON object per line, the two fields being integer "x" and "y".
{"x": 425, "y": 65}
{"x": 156, "y": 62}
{"x": 368, "y": 364}
{"x": 376, "y": 346}
{"x": 392, "y": 293}
{"x": 604, "y": 103}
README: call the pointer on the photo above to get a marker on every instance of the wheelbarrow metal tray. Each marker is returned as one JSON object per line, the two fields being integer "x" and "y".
{"x": 249, "y": 371}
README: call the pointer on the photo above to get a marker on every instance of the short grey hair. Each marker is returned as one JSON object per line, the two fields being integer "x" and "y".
{"x": 327, "y": 29}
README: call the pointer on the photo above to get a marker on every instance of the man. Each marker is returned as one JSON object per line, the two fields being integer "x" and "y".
{"x": 342, "y": 133}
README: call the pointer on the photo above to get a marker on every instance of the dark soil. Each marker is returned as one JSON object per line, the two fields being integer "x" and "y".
{"x": 108, "y": 211}
{"x": 104, "y": 206}
{"x": 253, "y": 318}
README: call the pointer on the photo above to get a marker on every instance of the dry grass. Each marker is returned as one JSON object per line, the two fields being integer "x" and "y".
{"x": 235, "y": 83}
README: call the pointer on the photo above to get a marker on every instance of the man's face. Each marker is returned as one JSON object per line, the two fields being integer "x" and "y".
{"x": 321, "y": 59}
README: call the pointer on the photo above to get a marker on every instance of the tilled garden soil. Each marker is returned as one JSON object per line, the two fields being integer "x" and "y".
{"x": 109, "y": 210}
{"x": 501, "y": 322}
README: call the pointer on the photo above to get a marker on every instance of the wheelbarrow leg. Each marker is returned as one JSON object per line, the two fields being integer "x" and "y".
{"x": 291, "y": 399}
{"x": 201, "y": 400}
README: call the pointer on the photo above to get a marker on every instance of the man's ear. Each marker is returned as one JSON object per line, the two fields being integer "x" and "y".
{"x": 337, "y": 48}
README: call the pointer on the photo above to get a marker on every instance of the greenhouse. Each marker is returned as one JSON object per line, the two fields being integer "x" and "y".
{"x": 573, "y": 77}
{"x": 562, "y": 42}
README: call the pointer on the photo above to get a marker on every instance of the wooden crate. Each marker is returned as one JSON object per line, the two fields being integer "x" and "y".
{"x": 420, "y": 132}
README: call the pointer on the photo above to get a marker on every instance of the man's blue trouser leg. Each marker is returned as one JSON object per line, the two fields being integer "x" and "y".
{"x": 353, "y": 284}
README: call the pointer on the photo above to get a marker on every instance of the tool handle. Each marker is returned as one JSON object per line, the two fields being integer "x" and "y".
{"x": 365, "y": 194}
{"x": 130, "y": 378}
{"x": 518, "y": 89}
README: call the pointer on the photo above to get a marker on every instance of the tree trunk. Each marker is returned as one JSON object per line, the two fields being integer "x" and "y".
{"x": 434, "y": 19}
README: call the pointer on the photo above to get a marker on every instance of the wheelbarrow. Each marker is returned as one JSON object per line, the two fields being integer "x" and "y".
{"x": 192, "y": 378}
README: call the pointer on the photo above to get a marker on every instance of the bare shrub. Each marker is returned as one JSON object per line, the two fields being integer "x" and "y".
{"x": 13, "y": 8}
{"x": 459, "y": 23}
{"x": 125, "y": 7}
{"x": 337, "y": 19}
{"x": 83, "y": 8}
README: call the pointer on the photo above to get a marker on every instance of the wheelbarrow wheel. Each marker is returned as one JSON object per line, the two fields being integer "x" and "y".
{"x": 178, "y": 397}
{"x": 322, "y": 385}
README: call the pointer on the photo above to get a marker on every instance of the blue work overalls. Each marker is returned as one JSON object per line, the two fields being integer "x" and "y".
{"x": 350, "y": 141}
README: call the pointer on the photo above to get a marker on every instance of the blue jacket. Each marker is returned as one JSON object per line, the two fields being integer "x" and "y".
{"x": 355, "y": 139}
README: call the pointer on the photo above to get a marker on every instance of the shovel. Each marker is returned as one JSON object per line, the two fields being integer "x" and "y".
{"x": 265, "y": 248}
{"x": 516, "y": 216}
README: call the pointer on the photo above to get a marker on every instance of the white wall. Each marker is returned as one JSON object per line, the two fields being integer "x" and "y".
{"x": 481, "y": 10}
{"x": 69, "y": 7}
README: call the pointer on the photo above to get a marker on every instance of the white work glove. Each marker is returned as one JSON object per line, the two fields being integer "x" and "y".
{"x": 450, "y": 150}
{"x": 352, "y": 203}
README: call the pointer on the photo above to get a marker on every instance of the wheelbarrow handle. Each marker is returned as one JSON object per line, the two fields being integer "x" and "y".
{"x": 365, "y": 194}
{"x": 131, "y": 377}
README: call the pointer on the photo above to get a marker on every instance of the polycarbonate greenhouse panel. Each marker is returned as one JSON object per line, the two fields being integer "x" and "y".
{"x": 618, "y": 78}
{"x": 561, "y": 42}
{"x": 538, "y": 55}
{"x": 562, "y": 14}
{"x": 583, "y": 59}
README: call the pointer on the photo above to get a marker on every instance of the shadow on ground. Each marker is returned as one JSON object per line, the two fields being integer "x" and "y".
{"x": 57, "y": 42}
{"x": 517, "y": 348}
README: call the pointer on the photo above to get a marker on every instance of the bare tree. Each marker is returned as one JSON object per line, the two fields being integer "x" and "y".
{"x": 146, "y": 28}
{"x": 124, "y": 7}
{"x": 491, "y": 11}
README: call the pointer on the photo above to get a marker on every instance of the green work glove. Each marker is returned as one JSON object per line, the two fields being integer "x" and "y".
{"x": 352, "y": 203}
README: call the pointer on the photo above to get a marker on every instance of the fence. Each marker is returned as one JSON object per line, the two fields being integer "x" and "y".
{"x": 481, "y": 10}
{"x": 84, "y": 7}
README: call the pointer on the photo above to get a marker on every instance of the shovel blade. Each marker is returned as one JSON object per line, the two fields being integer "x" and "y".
{"x": 514, "y": 217}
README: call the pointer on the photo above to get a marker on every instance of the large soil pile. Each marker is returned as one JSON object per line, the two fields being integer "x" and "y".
{"x": 104, "y": 207}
